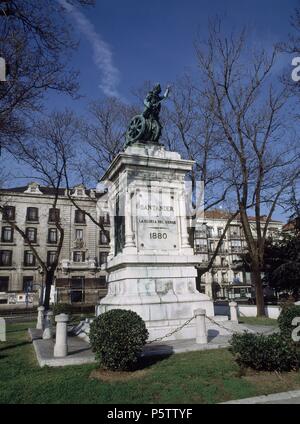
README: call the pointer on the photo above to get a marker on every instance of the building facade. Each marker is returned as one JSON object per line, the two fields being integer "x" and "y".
{"x": 79, "y": 278}
{"x": 225, "y": 280}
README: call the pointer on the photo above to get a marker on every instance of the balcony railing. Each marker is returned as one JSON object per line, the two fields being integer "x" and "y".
{"x": 90, "y": 264}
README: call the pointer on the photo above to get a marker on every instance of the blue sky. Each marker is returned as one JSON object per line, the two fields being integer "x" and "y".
{"x": 153, "y": 40}
{"x": 126, "y": 42}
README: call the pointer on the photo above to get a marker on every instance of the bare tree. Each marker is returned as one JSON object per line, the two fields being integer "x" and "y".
{"x": 260, "y": 156}
{"x": 36, "y": 43}
{"x": 104, "y": 135}
{"x": 51, "y": 152}
{"x": 50, "y": 147}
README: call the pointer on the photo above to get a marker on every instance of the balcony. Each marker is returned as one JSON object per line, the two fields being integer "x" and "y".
{"x": 79, "y": 244}
{"x": 200, "y": 234}
{"x": 224, "y": 265}
{"x": 201, "y": 249}
{"x": 236, "y": 249}
{"x": 68, "y": 265}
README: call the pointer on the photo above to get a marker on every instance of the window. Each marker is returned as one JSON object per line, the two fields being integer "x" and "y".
{"x": 210, "y": 232}
{"x": 9, "y": 213}
{"x": 79, "y": 217}
{"x": 222, "y": 248}
{"x": 29, "y": 258}
{"x": 223, "y": 262}
{"x": 103, "y": 258}
{"x": 51, "y": 256}
{"x": 236, "y": 246}
{"x": 102, "y": 238}
{"x": 31, "y": 234}
{"x": 104, "y": 219}
{"x": 4, "y": 284}
{"x": 32, "y": 214}
{"x": 52, "y": 235}
{"x": 201, "y": 231}
{"x": 77, "y": 289}
{"x": 235, "y": 231}
{"x": 224, "y": 277}
{"x": 78, "y": 256}
{"x": 7, "y": 234}
{"x": 102, "y": 281}
{"x": 201, "y": 245}
{"x": 27, "y": 284}
{"x": 5, "y": 257}
{"x": 78, "y": 234}
{"x": 236, "y": 278}
{"x": 54, "y": 215}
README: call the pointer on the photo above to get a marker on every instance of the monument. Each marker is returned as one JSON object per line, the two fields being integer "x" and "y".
{"x": 151, "y": 265}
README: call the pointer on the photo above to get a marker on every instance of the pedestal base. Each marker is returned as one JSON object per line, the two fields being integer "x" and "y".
{"x": 162, "y": 292}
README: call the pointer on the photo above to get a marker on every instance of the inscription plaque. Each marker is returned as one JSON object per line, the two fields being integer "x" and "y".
{"x": 156, "y": 221}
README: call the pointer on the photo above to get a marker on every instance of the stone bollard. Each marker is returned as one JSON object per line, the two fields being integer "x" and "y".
{"x": 61, "y": 340}
{"x": 47, "y": 334}
{"x": 201, "y": 334}
{"x": 2, "y": 330}
{"x": 40, "y": 319}
{"x": 233, "y": 311}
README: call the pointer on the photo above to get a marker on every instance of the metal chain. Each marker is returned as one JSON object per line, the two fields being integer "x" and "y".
{"x": 181, "y": 327}
{"x": 172, "y": 332}
{"x": 220, "y": 325}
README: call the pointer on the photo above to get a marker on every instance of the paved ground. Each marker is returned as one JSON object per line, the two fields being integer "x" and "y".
{"x": 79, "y": 351}
{"x": 291, "y": 397}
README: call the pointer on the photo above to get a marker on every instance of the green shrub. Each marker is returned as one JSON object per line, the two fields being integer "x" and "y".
{"x": 265, "y": 353}
{"x": 62, "y": 308}
{"x": 117, "y": 337}
{"x": 287, "y": 314}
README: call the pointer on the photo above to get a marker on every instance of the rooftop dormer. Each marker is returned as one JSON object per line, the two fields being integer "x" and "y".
{"x": 33, "y": 188}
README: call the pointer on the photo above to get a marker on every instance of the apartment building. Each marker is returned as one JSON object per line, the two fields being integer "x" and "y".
{"x": 79, "y": 278}
{"x": 225, "y": 280}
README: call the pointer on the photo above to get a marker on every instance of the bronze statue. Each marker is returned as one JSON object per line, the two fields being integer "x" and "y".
{"x": 147, "y": 127}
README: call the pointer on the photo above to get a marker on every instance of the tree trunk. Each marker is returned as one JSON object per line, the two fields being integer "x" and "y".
{"x": 259, "y": 293}
{"x": 48, "y": 282}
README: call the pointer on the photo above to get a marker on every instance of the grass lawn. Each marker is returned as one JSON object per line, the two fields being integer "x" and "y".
{"x": 258, "y": 321}
{"x": 195, "y": 377}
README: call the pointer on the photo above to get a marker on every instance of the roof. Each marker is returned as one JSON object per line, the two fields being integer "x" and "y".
{"x": 292, "y": 225}
{"x": 50, "y": 191}
{"x": 223, "y": 214}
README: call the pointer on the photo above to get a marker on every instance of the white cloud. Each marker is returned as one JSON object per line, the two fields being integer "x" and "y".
{"x": 102, "y": 54}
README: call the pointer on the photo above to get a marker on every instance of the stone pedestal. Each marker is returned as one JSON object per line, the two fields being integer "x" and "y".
{"x": 151, "y": 266}
{"x": 2, "y": 330}
{"x": 233, "y": 311}
{"x": 47, "y": 333}
{"x": 40, "y": 318}
{"x": 201, "y": 333}
{"x": 61, "y": 339}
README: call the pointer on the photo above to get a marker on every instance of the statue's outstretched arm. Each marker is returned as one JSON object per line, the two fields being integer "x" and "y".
{"x": 167, "y": 92}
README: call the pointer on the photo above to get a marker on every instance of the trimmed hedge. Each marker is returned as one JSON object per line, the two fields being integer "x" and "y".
{"x": 265, "y": 353}
{"x": 117, "y": 337}
{"x": 285, "y": 319}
